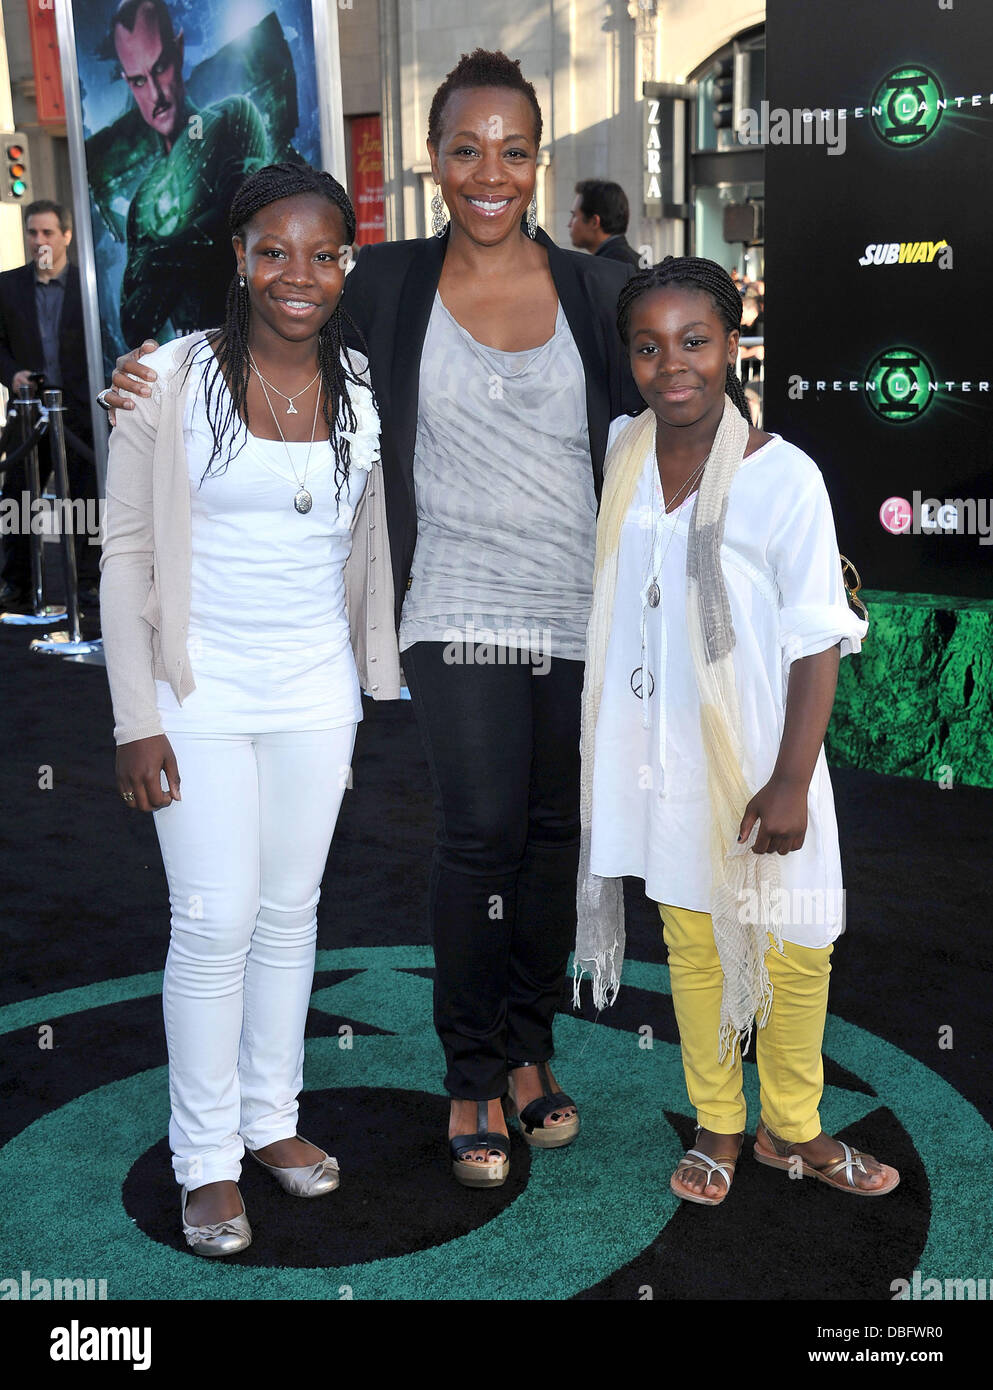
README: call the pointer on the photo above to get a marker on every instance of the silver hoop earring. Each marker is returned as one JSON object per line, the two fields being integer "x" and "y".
{"x": 438, "y": 219}
{"x": 532, "y": 222}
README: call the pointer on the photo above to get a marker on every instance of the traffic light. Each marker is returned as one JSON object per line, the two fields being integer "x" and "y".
{"x": 16, "y": 183}
{"x": 722, "y": 92}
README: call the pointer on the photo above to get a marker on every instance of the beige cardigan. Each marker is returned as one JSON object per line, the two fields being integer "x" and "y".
{"x": 147, "y": 562}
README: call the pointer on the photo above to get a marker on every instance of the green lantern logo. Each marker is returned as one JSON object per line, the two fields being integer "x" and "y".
{"x": 906, "y": 106}
{"x": 898, "y": 384}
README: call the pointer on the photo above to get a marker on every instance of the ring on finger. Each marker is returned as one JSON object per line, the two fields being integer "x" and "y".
{"x": 128, "y": 797}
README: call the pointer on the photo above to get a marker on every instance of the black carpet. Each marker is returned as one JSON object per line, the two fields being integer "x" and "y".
{"x": 84, "y": 902}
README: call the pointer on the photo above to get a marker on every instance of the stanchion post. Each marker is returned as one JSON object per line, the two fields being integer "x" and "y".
{"x": 56, "y": 433}
{"x": 26, "y": 406}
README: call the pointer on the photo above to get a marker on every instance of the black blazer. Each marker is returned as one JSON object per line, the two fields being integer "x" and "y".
{"x": 389, "y": 295}
{"x": 618, "y": 248}
{"x": 20, "y": 339}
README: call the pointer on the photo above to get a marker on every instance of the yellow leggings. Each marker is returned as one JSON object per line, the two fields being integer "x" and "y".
{"x": 788, "y": 1048}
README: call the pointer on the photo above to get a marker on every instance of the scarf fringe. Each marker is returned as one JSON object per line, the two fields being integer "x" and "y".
{"x": 603, "y": 978}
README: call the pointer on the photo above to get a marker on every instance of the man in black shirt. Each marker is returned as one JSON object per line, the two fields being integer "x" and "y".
{"x": 41, "y": 330}
{"x": 599, "y": 219}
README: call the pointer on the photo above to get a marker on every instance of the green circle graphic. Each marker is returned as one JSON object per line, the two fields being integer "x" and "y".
{"x": 76, "y": 1214}
{"x": 898, "y": 385}
{"x": 905, "y": 106}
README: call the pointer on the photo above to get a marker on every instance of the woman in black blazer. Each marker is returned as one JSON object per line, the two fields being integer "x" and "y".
{"x": 502, "y": 745}
{"x": 389, "y": 294}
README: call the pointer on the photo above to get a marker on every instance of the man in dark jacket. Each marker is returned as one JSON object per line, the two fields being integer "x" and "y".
{"x": 599, "y": 219}
{"x": 41, "y": 331}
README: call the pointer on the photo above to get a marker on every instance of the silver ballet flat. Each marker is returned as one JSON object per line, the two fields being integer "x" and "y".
{"x": 221, "y": 1238}
{"x": 314, "y": 1180}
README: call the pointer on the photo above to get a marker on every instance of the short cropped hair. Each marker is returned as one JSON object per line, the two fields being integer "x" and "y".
{"x": 608, "y": 201}
{"x": 482, "y": 68}
{"x": 46, "y": 205}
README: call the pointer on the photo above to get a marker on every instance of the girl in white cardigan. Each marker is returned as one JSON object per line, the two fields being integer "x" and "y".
{"x": 718, "y": 620}
{"x": 235, "y": 690}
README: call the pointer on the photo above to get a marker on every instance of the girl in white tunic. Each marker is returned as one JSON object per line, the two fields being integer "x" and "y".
{"x": 231, "y": 497}
{"x": 719, "y": 617}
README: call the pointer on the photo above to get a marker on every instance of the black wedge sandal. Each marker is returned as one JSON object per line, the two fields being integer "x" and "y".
{"x": 532, "y": 1118}
{"x": 467, "y": 1171}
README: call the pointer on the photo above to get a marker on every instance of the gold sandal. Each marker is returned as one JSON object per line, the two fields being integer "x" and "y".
{"x": 829, "y": 1173}
{"x": 696, "y": 1158}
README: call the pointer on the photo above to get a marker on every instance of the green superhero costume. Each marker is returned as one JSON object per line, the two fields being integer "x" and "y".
{"x": 180, "y": 260}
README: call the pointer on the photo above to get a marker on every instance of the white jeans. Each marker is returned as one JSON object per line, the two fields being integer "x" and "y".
{"x": 244, "y": 854}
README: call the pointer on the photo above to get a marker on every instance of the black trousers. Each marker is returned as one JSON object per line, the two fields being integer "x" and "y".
{"x": 502, "y": 744}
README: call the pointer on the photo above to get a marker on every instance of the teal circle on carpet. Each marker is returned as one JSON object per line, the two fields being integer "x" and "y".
{"x": 73, "y": 1221}
{"x": 385, "y": 1206}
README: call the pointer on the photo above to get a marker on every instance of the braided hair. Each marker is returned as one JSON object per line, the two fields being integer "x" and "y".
{"x": 226, "y": 409}
{"x": 697, "y": 273}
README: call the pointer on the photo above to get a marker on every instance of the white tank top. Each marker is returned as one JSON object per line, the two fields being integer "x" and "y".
{"x": 268, "y": 636}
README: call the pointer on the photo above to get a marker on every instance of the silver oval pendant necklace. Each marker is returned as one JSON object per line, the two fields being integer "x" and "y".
{"x": 302, "y": 500}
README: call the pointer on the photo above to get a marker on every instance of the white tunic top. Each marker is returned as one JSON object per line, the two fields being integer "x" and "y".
{"x": 268, "y": 635}
{"x": 651, "y": 810}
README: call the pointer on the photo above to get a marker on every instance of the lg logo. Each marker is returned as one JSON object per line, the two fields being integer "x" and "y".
{"x": 931, "y": 516}
{"x": 899, "y": 516}
{"x": 896, "y": 516}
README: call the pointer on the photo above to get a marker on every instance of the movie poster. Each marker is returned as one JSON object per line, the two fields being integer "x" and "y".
{"x": 367, "y": 180}
{"x": 181, "y": 99}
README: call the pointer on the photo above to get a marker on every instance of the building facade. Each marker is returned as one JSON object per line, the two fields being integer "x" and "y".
{"x": 588, "y": 60}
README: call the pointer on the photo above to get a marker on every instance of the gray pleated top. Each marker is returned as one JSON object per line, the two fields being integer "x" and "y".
{"x": 503, "y": 482}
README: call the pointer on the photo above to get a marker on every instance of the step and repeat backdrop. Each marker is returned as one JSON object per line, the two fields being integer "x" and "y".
{"x": 878, "y": 128}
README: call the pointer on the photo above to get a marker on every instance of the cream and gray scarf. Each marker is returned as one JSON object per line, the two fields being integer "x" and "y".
{"x": 740, "y": 878}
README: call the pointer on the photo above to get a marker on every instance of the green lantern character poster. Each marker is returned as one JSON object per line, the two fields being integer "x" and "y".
{"x": 181, "y": 100}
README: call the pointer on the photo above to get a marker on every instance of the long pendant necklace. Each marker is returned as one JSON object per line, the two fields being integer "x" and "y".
{"x": 654, "y": 591}
{"x": 303, "y": 501}
{"x": 651, "y": 597}
{"x": 291, "y": 408}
